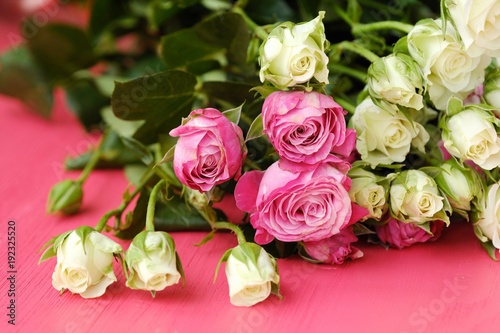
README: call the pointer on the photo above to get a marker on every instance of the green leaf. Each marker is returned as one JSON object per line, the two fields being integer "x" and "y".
{"x": 272, "y": 11}
{"x": 233, "y": 92}
{"x": 20, "y": 78}
{"x": 138, "y": 149}
{"x": 159, "y": 11}
{"x": 177, "y": 215}
{"x": 86, "y": 101}
{"x": 160, "y": 99}
{"x": 113, "y": 155}
{"x": 119, "y": 126}
{"x": 104, "y": 16}
{"x": 138, "y": 221}
{"x": 60, "y": 50}
{"x": 224, "y": 34}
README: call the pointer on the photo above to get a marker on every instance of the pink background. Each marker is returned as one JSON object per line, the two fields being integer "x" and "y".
{"x": 447, "y": 286}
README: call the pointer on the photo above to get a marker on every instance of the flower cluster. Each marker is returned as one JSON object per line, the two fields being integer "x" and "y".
{"x": 310, "y": 161}
{"x": 425, "y": 107}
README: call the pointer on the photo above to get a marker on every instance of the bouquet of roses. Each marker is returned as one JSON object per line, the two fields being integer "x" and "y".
{"x": 316, "y": 131}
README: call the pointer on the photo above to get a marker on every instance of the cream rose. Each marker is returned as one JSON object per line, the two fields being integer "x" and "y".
{"x": 488, "y": 221}
{"x": 472, "y": 135}
{"x": 492, "y": 89}
{"x": 152, "y": 262}
{"x": 385, "y": 136}
{"x": 415, "y": 197}
{"x": 461, "y": 184}
{"x": 446, "y": 66}
{"x": 367, "y": 191}
{"x": 251, "y": 274}
{"x": 295, "y": 53}
{"x": 397, "y": 79}
{"x": 84, "y": 262}
{"x": 478, "y": 23}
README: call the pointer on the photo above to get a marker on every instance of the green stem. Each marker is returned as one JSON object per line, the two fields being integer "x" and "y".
{"x": 360, "y": 28}
{"x": 118, "y": 211}
{"x": 258, "y": 30}
{"x": 343, "y": 15}
{"x": 345, "y": 104}
{"x": 358, "y": 49}
{"x": 150, "y": 214}
{"x": 94, "y": 158}
{"x": 234, "y": 228}
{"x": 357, "y": 74}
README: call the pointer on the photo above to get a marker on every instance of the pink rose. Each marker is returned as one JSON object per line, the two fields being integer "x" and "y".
{"x": 210, "y": 150}
{"x": 335, "y": 249}
{"x": 306, "y": 127}
{"x": 399, "y": 234}
{"x": 309, "y": 205}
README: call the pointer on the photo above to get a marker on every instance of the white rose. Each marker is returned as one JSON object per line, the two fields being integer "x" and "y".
{"x": 446, "y": 66}
{"x": 397, "y": 79}
{"x": 368, "y": 193}
{"x": 489, "y": 216}
{"x": 471, "y": 135}
{"x": 492, "y": 89}
{"x": 415, "y": 197}
{"x": 459, "y": 183}
{"x": 251, "y": 274}
{"x": 385, "y": 135}
{"x": 478, "y": 23}
{"x": 152, "y": 262}
{"x": 85, "y": 263}
{"x": 294, "y": 54}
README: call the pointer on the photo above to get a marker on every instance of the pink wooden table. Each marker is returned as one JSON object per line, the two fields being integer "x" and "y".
{"x": 447, "y": 286}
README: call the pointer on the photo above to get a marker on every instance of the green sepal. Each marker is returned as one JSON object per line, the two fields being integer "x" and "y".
{"x": 138, "y": 149}
{"x": 490, "y": 249}
{"x": 455, "y": 106}
{"x": 224, "y": 258}
{"x": 169, "y": 156}
{"x": 180, "y": 269}
{"x": 83, "y": 233}
{"x": 206, "y": 239}
{"x": 256, "y": 129}
{"x": 361, "y": 229}
{"x": 52, "y": 245}
{"x": 233, "y": 114}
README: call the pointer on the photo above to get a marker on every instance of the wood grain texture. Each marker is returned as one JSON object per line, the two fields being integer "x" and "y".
{"x": 447, "y": 286}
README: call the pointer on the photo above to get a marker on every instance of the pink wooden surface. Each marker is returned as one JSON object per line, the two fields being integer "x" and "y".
{"x": 447, "y": 286}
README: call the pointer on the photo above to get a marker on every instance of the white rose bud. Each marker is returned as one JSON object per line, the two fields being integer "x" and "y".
{"x": 446, "y": 66}
{"x": 461, "y": 184}
{"x": 251, "y": 273}
{"x": 396, "y": 78}
{"x": 84, "y": 262}
{"x": 415, "y": 198}
{"x": 385, "y": 136}
{"x": 295, "y": 53}
{"x": 152, "y": 262}
{"x": 478, "y": 23}
{"x": 369, "y": 191}
{"x": 471, "y": 134}
{"x": 488, "y": 216}
{"x": 492, "y": 89}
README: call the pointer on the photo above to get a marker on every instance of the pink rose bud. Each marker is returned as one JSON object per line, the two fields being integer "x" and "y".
{"x": 335, "y": 249}
{"x": 309, "y": 205}
{"x": 210, "y": 150}
{"x": 306, "y": 127}
{"x": 399, "y": 234}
